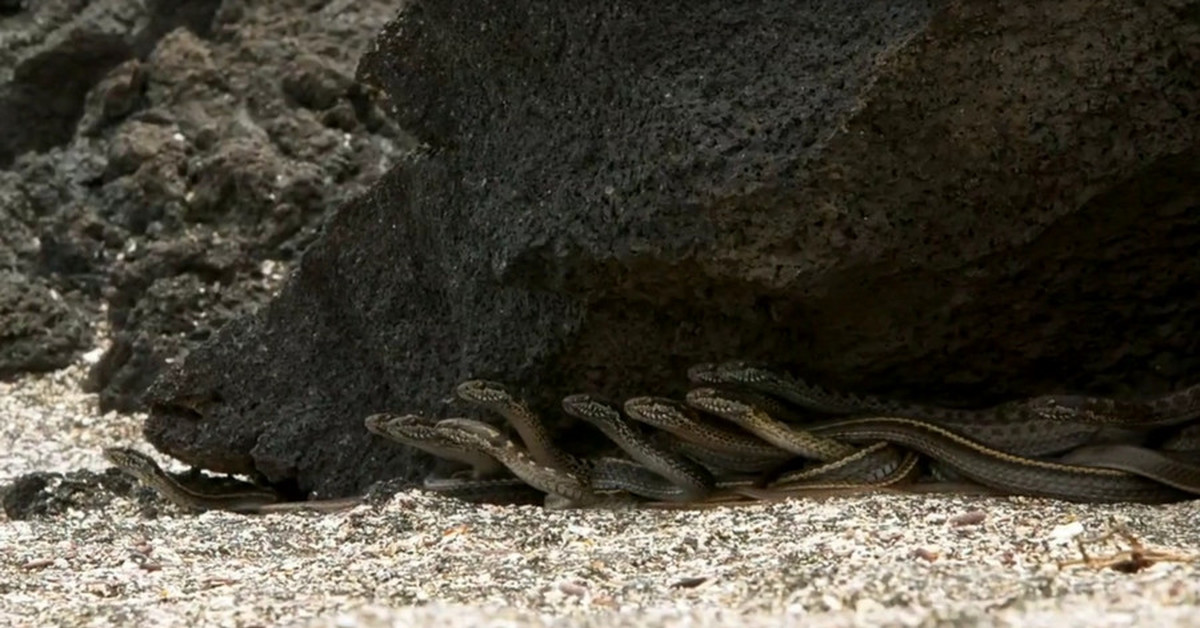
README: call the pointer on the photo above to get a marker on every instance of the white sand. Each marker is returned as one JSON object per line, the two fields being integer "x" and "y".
{"x": 421, "y": 560}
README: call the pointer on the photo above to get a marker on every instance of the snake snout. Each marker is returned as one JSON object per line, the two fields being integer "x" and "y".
{"x": 482, "y": 391}
{"x": 116, "y": 455}
{"x": 374, "y": 423}
{"x": 473, "y": 427}
{"x": 383, "y": 422}
{"x": 715, "y": 401}
{"x": 653, "y": 407}
{"x": 743, "y": 372}
{"x": 703, "y": 373}
{"x": 588, "y": 407}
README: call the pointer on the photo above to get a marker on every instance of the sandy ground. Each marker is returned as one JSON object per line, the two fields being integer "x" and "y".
{"x": 418, "y": 560}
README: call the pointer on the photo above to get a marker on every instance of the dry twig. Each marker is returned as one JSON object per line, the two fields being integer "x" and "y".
{"x": 1132, "y": 560}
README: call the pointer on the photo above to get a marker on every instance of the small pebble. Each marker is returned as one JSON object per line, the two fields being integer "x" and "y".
{"x": 971, "y": 518}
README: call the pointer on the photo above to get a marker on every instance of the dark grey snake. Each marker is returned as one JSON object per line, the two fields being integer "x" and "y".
{"x": 1171, "y": 409}
{"x": 1043, "y": 425}
{"x": 740, "y": 439}
{"x": 251, "y": 500}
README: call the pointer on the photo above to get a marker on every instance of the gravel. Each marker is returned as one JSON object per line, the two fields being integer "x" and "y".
{"x": 418, "y": 559}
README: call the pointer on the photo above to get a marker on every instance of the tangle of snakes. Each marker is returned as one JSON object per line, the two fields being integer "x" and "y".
{"x": 746, "y": 433}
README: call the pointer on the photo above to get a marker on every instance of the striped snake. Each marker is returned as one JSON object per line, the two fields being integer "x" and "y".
{"x": 747, "y": 433}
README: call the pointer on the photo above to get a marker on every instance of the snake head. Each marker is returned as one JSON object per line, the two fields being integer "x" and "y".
{"x": 731, "y": 372}
{"x": 589, "y": 407}
{"x": 656, "y": 410}
{"x": 1082, "y": 408}
{"x": 703, "y": 373}
{"x": 722, "y": 403}
{"x": 375, "y": 422}
{"x": 475, "y": 428}
{"x": 483, "y": 391}
{"x": 396, "y": 425}
{"x": 130, "y": 461}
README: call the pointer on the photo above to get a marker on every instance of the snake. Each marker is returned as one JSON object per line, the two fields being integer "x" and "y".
{"x": 1166, "y": 410}
{"x": 1185, "y": 439}
{"x": 867, "y": 466}
{"x": 1008, "y": 472}
{"x": 612, "y": 474}
{"x": 609, "y": 482}
{"x": 484, "y": 482}
{"x": 1027, "y": 438}
{"x": 713, "y": 443}
{"x": 720, "y": 447}
{"x": 571, "y": 486}
{"x": 763, "y": 434}
{"x": 1040, "y": 426}
{"x": 1173, "y": 408}
{"x": 979, "y": 462}
{"x": 877, "y": 466}
{"x": 496, "y": 397}
{"x": 676, "y": 418}
{"x": 539, "y": 463}
{"x": 1117, "y": 474}
{"x": 415, "y": 431}
{"x": 461, "y": 435}
{"x": 757, "y": 421}
{"x": 254, "y": 500}
{"x": 1181, "y": 472}
{"x": 684, "y": 479}
{"x": 719, "y": 462}
{"x": 693, "y": 480}
{"x": 656, "y": 472}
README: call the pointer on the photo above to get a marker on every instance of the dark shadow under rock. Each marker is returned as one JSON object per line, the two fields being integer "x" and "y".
{"x": 949, "y": 203}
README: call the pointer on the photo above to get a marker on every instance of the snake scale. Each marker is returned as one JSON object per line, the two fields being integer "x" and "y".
{"x": 747, "y": 433}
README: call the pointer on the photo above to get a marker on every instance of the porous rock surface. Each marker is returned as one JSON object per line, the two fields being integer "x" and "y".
{"x": 952, "y": 202}
{"x": 39, "y": 330}
{"x": 162, "y": 164}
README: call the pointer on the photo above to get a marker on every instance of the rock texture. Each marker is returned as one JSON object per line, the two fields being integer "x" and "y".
{"x": 956, "y": 202}
{"x": 162, "y": 164}
{"x": 39, "y": 331}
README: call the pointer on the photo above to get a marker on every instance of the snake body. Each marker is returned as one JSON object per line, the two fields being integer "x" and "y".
{"x": 1186, "y": 439}
{"x": 554, "y": 481}
{"x": 501, "y": 490}
{"x": 750, "y": 433}
{"x": 719, "y": 462}
{"x": 1171, "y": 409}
{"x": 676, "y": 418}
{"x": 496, "y": 397}
{"x": 750, "y": 417}
{"x": 693, "y": 480}
{"x": 884, "y": 455}
{"x": 1183, "y": 474}
{"x": 461, "y": 434}
{"x": 1126, "y": 478}
{"x": 485, "y": 482}
{"x": 659, "y": 473}
{"x": 876, "y": 465}
{"x": 1004, "y": 471}
{"x": 1026, "y": 437}
{"x": 414, "y": 431}
{"x": 249, "y": 501}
